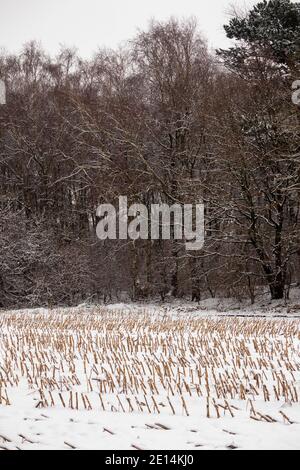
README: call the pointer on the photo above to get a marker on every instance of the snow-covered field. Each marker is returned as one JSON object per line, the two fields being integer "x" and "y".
{"x": 148, "y": 378}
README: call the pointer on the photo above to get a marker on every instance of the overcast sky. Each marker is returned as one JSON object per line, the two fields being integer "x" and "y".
{"x": 89, "y": 24}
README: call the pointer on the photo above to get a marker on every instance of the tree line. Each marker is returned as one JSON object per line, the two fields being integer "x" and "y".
{"x": 161, "y": 120}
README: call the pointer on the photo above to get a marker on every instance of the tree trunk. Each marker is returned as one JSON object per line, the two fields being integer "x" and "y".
{"x": 277, "y": 288}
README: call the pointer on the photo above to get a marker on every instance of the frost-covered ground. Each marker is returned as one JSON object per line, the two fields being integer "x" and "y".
{"x": 155, "y": 377}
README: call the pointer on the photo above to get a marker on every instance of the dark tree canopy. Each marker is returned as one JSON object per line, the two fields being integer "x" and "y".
{"x": 272, "y": 28}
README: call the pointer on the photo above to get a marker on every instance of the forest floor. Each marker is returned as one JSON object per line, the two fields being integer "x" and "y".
{"x": 150, "y": 377}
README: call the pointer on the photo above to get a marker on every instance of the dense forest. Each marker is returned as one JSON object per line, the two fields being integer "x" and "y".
{"x": 161, "y": 119}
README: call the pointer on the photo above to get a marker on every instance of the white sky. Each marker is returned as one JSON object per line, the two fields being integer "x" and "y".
{"x": 89, "y": 24}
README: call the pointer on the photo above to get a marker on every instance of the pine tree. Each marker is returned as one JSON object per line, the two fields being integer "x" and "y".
{"x": 272, "y": 30}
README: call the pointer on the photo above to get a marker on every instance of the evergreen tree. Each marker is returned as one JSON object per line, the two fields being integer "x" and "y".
{"x": 270, "y": 30}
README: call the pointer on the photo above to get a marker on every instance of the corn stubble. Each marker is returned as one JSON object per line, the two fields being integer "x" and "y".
{"x": 143, "y": 363}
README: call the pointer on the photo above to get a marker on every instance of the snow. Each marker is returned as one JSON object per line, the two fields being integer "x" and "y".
{"x": 189, "y": 357}
{"x": 59, "y": 428}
